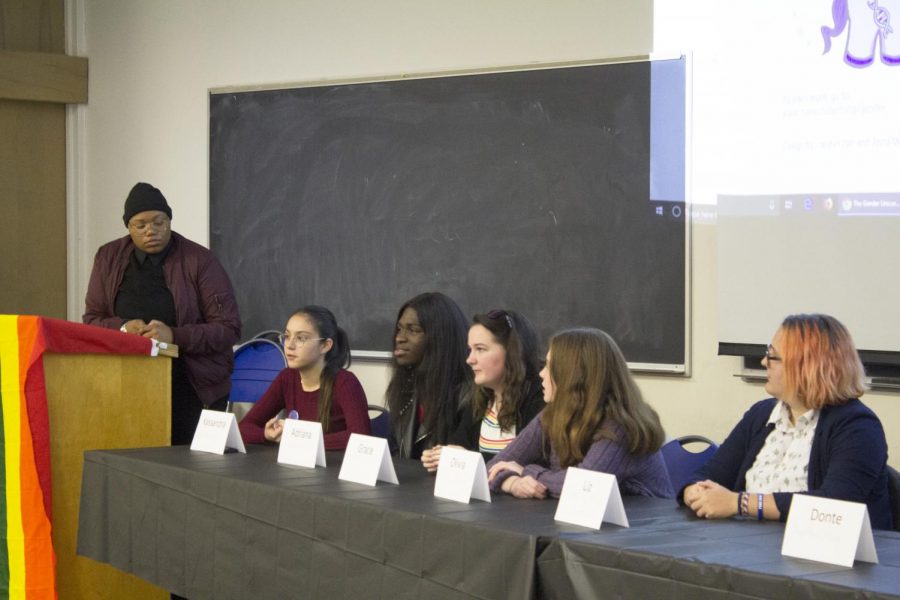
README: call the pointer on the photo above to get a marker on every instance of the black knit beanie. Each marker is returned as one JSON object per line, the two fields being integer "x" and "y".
{"x": 144, "y": 196}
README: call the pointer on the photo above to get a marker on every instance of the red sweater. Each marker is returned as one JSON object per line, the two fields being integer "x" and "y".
{"x": 349, "y": 408}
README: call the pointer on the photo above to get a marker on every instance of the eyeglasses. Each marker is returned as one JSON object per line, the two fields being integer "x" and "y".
{"x": 771, "y": 357}
{"x": 158, "y": 224}
{"x": 299, "y": 340}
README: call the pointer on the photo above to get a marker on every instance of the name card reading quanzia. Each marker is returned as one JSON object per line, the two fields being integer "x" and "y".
{"x": 829, "y": 531}
{"x": 367, "y": 460}
{"x": 302, "y": 444}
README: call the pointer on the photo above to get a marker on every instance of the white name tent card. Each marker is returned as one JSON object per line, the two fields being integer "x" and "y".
{"x": 829, "y": 531}
{"x": 217, "y": 431}
{"x": 589, "y": 498}
{"x": 367, "y": 460}
{"x": 302, "y": 444}
{"x": 461, "y": 475}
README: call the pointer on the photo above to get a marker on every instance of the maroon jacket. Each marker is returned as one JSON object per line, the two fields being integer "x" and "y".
{"x": 207, "y": 320}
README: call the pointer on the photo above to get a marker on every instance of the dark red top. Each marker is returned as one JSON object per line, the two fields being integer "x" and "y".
{"x": 349, "y": 408}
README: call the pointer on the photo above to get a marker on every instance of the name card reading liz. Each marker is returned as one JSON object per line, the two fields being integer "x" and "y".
{"x": 829, "y": 531}
{"x": 589, "y": 498}
{"x": 217, "y": 431}
{"x": 302, "y": 444}
{"x": 367, "y": 460}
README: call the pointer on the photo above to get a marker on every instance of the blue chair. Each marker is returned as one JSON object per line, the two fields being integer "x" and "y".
{"x": 894, "y": 494}
{"x": 683, "y": 463}
{"x": 381, "y": 422}
{"x": 256, "y": 363}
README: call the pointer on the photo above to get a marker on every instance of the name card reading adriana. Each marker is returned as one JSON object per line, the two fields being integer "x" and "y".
{"x": 217, "y": 431}
{"x": 302, "y": 444}
{"x": 367, "y": 460}
{"x": 829, "y": 531}
{"x": 461, "y": 475}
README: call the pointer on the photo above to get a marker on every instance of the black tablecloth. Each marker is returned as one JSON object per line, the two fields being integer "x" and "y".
{"x": 243, "y": 526}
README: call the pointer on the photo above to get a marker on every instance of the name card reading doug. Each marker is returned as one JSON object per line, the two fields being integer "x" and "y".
{"x": 367, "y": 460}
{"x": 830, "y": 531}
{"x": 217, "y": 431}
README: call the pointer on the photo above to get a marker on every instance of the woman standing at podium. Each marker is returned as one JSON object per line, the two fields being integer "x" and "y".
{"x": 156, "y": 283}
{"x": 596, "y": 419}
{"x": 316, "y": 384}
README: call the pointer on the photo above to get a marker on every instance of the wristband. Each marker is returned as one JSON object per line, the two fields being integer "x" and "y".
{"x": 745, "y": 504}
{"x": 759, "y": 507}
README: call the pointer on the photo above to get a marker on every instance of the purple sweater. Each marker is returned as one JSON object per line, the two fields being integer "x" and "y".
{"x": 637, "y": 475}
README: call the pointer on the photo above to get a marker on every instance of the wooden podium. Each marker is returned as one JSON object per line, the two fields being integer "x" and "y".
{"x": 99, "y": 401}
{"x": 66, "y": 388}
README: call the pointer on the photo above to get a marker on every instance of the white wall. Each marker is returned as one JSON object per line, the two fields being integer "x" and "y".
{"x": 153, "y": 62}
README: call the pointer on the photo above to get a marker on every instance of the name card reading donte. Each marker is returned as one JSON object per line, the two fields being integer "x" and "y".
{"x": 830, "y": 531}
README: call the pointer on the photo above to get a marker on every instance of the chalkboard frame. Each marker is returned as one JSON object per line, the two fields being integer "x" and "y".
{"x": 681, "y": 368}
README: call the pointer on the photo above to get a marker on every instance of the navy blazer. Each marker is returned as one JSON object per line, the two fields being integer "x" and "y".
{"x": 847, "y": 461}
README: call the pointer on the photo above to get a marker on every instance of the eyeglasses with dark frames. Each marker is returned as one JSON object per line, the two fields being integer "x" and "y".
{"x": 770, "y": 356}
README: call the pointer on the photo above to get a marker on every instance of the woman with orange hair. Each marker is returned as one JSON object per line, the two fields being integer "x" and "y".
{"x": 813, "y": 437}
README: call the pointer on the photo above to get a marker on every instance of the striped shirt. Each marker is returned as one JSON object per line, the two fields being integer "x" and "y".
{"x": 493, "y": 439}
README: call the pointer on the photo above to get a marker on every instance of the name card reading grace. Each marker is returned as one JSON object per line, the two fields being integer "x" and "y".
{"x": 461, "y": 475}
{"x": 588, "y": 498}
{"x": 217, "y": 431}
{"x": 302, "y": 444}
{"x": 829, "y": 531}
{"x": 367, "y": 460}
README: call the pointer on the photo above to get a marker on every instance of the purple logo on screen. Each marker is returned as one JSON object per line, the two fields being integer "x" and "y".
{"x": 869, "y": 30}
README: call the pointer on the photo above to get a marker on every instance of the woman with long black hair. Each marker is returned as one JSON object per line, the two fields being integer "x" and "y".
{"x": 430, "y": 378}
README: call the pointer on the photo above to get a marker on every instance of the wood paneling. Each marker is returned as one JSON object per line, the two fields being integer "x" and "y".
{"x": 43, "y": 77}
{"x": 33, "y": 25}
{"x": 33, "y": 154}
{"x": 33, "y": 208}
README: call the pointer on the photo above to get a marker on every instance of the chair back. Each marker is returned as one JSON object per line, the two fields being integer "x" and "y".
{"x": 381, "y": 421}
{"x": 894, "y": 495}
{"x": 256, "y": 363}
{"x": 681, "y": 462}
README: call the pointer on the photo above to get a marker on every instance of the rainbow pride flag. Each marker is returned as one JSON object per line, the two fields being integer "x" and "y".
{"x": 27, "y": 560}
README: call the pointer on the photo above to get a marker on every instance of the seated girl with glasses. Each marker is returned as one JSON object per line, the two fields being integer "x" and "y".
{"x": 505, "y": 362}
{"x": 430, "y": 377}
{"x": 813, "y": 436}
{"x": 316, "y": 384}
{"x": 595, "y": 419}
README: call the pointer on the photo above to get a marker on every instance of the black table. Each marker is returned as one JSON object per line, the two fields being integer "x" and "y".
{"x": 243, "y": 526}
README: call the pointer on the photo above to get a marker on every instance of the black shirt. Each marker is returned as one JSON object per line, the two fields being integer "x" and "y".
{"x": 143, "y": 293}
